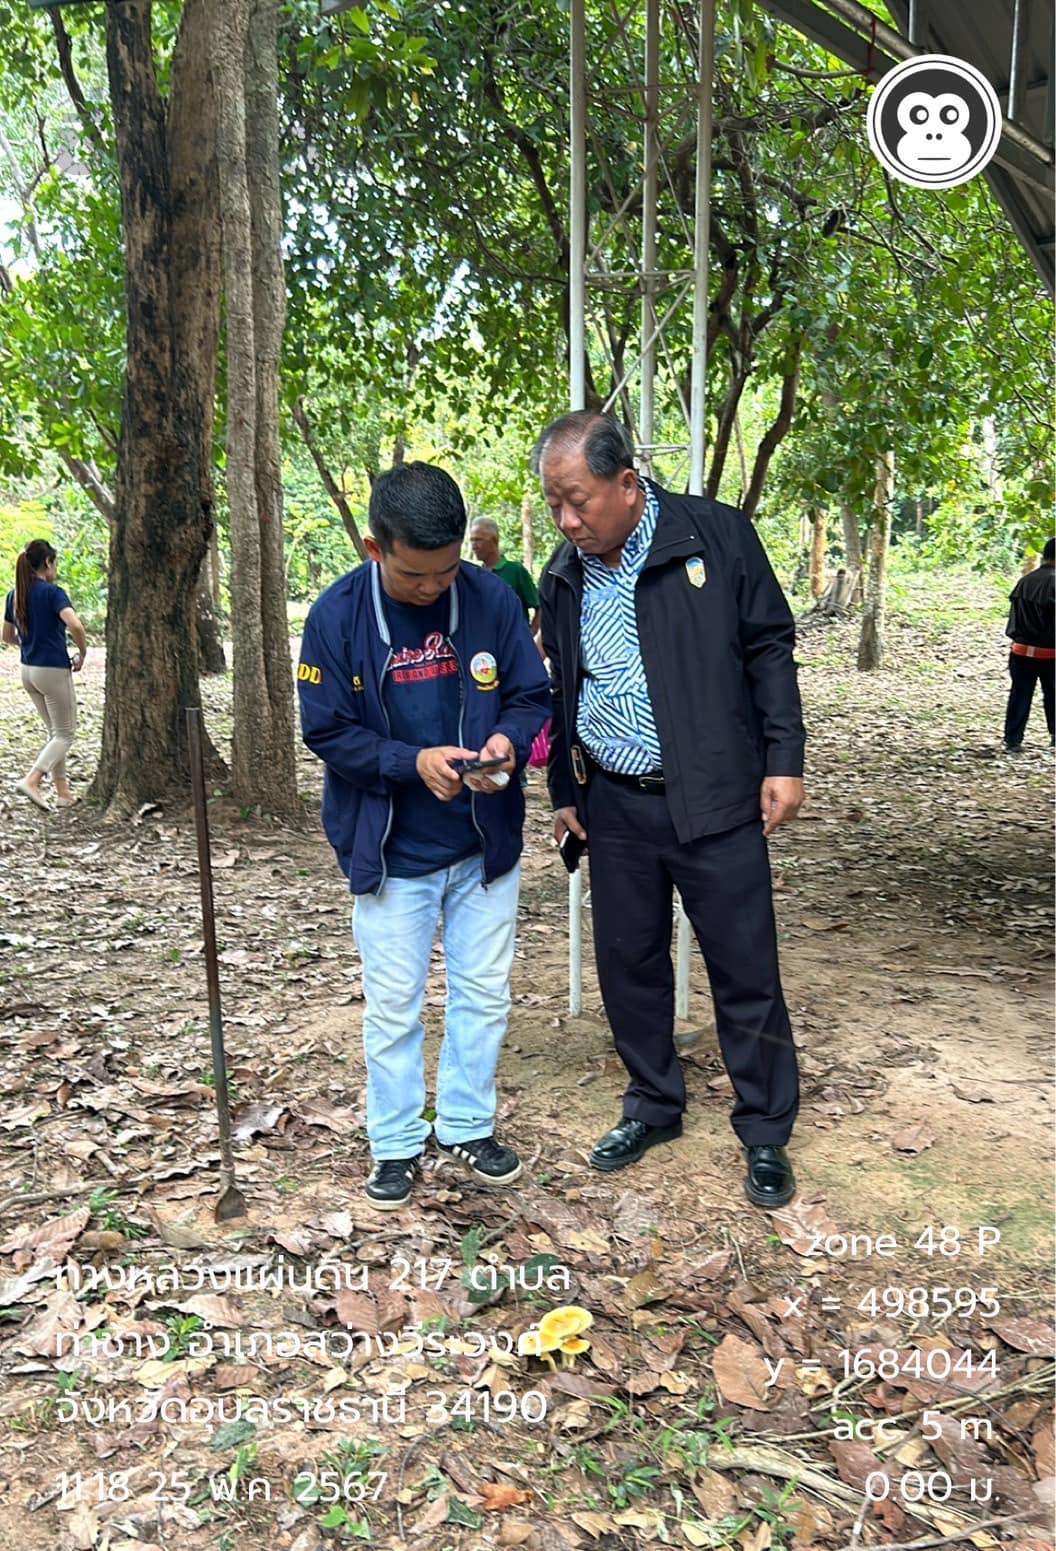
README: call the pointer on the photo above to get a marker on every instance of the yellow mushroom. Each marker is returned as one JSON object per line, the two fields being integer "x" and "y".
{"x": 560, "y": 1324}
{"x": 533, "y": 1343}
{"x": 571, "y": 1348}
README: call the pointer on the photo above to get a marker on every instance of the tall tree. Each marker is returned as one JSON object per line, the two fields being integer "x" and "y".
{"x": 163, "y": 507}
{"x": 243, "y": 37}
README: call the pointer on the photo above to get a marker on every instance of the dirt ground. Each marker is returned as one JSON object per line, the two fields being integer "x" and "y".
{"x": 914, "y": 911}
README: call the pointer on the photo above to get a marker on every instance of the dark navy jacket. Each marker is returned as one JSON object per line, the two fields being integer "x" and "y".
{"x": 344, "y": 656}
{"x": 717, "y": 642}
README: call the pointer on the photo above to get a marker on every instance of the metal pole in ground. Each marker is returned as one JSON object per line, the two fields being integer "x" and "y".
{"x": 698, "y": 393}
{"x": 650, "y": 186}
{"x": 577, "y": 375}
{"x": 231, "y": 1202}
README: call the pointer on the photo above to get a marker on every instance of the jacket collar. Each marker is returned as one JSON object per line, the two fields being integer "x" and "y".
{"x": 675, "y": 538}
{"x": 379, "y": 608}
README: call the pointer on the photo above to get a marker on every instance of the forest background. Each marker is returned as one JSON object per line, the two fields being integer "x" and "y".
{"x": 880, "y": 367}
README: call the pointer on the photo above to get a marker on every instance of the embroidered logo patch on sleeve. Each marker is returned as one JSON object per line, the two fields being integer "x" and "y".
{"x": 309, "y": 675}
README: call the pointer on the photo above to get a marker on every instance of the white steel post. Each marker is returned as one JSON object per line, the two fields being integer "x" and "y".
{"x": 651, "y": 95}
{"x": 577, "y": 376}
{"x": 699, "y": 379}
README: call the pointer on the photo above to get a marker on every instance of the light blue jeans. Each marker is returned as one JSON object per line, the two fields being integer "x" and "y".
{"x": 394, "y": 933}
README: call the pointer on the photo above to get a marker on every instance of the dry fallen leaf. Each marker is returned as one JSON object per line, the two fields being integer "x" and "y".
{"x": 1026, "y": 1335}
{"x": 595, "y": 1524}
{"x": 431, "y": 1517}
{"x": 495, "y": 1496}
{"x": 590, "y": 1242}
{"x": 714, "y": 1266}
{"x": 964, "y": 1458}
{"x": 1044, "y": 1450}
{"x": 214, "y": 1309}
{"x": 741, "y": 1373}
{"x": 514, "y": 1533}
{"x": 52, "y": 1238}
{"x": 797, "y": 1223}
{"x": 60, "y": 1316}
{"x": 714, "y": 1493}
{"x": 696, "y": 1534}
{"x": 855, "y": 1462}
{"x": 646, "y": 1287}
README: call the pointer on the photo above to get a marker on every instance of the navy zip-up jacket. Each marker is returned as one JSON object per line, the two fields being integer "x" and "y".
{"x": 344, "y": 656}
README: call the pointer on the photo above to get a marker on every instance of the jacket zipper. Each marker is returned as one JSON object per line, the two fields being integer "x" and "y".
{"x": 472, "y": 795}
{"x": 392, "y": 803}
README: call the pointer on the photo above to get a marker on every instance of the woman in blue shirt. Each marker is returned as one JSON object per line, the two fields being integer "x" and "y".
{"x": 36, "y": 616}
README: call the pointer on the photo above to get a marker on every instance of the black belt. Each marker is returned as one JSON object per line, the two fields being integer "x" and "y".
{"x": 652, "y": 781}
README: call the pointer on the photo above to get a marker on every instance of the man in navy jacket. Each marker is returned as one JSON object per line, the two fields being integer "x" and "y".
{"x": 409, "y": 666}
{"x": 676, "y": 748}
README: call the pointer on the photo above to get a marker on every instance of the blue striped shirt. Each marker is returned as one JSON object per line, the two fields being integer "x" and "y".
{"x": 615, "y": 716}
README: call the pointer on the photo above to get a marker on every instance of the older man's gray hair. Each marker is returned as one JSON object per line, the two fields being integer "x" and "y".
{"x": 604, "y": 443}
{"x": 485, "y": 524}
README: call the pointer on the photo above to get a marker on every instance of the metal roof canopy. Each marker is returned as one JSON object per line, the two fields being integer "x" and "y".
{"x": 1010, "y": 41}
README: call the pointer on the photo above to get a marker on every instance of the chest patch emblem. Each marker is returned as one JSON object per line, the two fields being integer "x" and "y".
{"x": 696, "y": 572}
{"x": 484, "y": 670}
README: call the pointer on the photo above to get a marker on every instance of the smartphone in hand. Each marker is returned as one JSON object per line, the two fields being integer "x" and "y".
{"x": 571, "y": 848}
{"x": 475, "y": 766}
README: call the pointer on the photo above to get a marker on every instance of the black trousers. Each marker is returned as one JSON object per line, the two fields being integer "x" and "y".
{"x": 1025, "y": 673}
{"x": 724, "y": 881}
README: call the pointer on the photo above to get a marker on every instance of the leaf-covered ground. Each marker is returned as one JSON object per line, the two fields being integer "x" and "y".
{"x": 320, "y": 1373}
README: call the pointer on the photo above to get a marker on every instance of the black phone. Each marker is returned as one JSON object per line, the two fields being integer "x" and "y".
{"x": 475, "y": 766}
{"x": 571, "y": 848}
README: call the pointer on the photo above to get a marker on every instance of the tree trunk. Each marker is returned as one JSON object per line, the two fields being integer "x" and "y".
{"x": 852, "y": 548}
{"x": 727, "y": 419}
{"x": 871, "y": 641}
{"x": 211, "y": 659}
{"x": 819, "y": 526}
{"x": 269, "y": 321}
{"x": 214, "y": 568}
{"x": 333, "y": 489}
{"x": 163, "y": 495}
{"x": 777, "y": 432}
{"x": 262, "y": 749}
{"x": 742, "y": 460}
{"x": 527, "y": 532}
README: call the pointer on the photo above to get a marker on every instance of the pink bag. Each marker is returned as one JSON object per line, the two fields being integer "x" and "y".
{"x": 540, "y": 748}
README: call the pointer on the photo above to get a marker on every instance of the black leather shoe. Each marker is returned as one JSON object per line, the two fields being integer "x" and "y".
{"x": 769, "y": 1181}
{"x": 627, "y": 1142}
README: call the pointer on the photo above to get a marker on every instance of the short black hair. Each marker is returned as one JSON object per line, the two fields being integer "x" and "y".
{"x": 605, "y": 445}
{"x": 418, "y": 505}
{"x": 1048, "y": 554}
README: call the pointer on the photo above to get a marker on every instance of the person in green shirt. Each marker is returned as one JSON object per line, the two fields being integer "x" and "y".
{"x": 484, "y": 539}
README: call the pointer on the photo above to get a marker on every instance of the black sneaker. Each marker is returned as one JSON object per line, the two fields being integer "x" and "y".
{"x": 486, "y": 1159}
{"x": 389, "y": 1184}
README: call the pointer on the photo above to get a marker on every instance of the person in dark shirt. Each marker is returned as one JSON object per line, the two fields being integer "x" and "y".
{"x": 410, "y": 665}
{"x": 37, "y": 614}
{"x": 1032, "y": 658}
{"x": 484, "y": 541}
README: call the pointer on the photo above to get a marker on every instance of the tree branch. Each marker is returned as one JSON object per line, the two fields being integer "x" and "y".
{"x": 73, "y": 86}
{"x": 90, "y": 480}
{"x": 778, "y": 431}
{"x": 333, "y": 490}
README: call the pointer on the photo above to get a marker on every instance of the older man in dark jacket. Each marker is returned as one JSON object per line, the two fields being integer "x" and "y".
{"x": 676, "y": 749}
